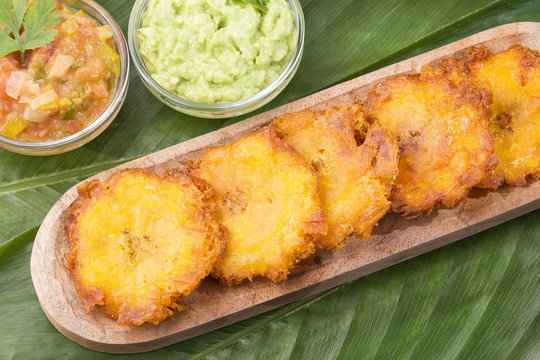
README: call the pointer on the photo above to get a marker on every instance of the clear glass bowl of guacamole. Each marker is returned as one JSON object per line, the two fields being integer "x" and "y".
{"x": 216, "y": 58}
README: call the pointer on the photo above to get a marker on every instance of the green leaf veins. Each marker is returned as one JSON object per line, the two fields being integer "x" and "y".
{"x": 34, "y": 18}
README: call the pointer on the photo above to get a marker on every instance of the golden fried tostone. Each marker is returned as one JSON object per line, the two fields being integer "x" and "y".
{"x": 443, "y": 136}
{"x": 140, "y": 242}
{"x": 356, "y": 164}
{"x": 268, "y": 199}
{"x": 513, "y": 76}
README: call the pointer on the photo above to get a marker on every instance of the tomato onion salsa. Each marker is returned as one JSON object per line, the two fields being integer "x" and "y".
{"x": 64, "y": 86}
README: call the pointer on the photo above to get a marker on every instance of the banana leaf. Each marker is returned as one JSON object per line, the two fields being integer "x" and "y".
{"x": 475, "y": 299}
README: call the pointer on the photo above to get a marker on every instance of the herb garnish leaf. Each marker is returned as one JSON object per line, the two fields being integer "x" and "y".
{"x": 36, "y": 17}
{"x": 35, "y": 24}
{"x": 7, "y": 43}
{"x": 12, "y": 13}
{"x": 258, "y": 4}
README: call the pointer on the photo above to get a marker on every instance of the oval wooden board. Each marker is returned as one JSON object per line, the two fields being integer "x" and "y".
{"x": 212, "y": 305}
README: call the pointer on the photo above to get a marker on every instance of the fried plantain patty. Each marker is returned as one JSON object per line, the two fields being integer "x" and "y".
{"x": 356, "y": 163}
{"x": 513, "y": 76}
{"x": 141, "y": 242}
{"x": 443, "y": 136}
{"x": 268, "y": 199}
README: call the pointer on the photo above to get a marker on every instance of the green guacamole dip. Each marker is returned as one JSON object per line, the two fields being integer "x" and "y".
{"x": 216, "y": 51}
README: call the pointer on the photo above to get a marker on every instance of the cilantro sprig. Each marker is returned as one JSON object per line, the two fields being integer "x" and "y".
{"x": 258, "y": 4}
{"x": 35, "y": 18}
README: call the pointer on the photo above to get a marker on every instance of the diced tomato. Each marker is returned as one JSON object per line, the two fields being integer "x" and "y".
{"x": 92, "y": 70}
{"x": 88, "y": 34}
{"x": 4, "y": 109}
{"x": 99, "y": 90}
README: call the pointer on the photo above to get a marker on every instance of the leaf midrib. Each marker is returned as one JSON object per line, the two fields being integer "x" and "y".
{"x": 60, "y": 176}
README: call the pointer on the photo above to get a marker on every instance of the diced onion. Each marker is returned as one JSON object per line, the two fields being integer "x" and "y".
{"x": 29, "y": 89}
{"x": 34, "y": 116}
{"x": 46, "y": 98}
{"x": 59, "y": 66}
{"x": 15, "y": 83}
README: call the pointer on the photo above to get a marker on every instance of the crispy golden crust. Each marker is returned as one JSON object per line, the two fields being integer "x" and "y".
{"x": 355, "y": 178}
{"x": 268, "y": 199}
{"x": 442, "y": 128}
{"x": 513, "y": 76}
{"x": 141, "y": 242}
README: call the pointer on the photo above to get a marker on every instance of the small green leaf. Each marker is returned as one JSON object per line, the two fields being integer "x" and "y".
{"x": 260, "y": 5}
{"x": 39, "y": 39}
{"x": 19, "y": 9}
{"x": 40, "y": 17}
{"x": 12, "y": 13}
{"x": 7, "y": 44}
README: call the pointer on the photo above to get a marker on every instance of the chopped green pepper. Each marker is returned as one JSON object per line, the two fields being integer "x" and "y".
{"x": 40, "y": 74}
{"x": 68, "y": 113}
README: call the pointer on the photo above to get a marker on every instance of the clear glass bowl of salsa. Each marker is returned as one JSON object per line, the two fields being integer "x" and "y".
{"x": 220, "y": 109}
{"x": 52, "y": 121}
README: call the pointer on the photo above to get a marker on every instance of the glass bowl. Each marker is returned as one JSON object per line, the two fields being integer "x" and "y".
{"x": 80, "y": 138}
{"x": 215, "y": 111}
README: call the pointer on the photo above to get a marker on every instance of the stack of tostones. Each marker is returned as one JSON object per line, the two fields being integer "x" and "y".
{"x": 141, "y": 242}
{"x": 443, "y": 135}
{"x": 513, "y": 76}
{"x": 356, "y": 164}
{"x": 268, "y": 199}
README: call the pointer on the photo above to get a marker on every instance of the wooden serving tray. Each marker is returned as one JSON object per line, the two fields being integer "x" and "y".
{"x": 212, "y": 305}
